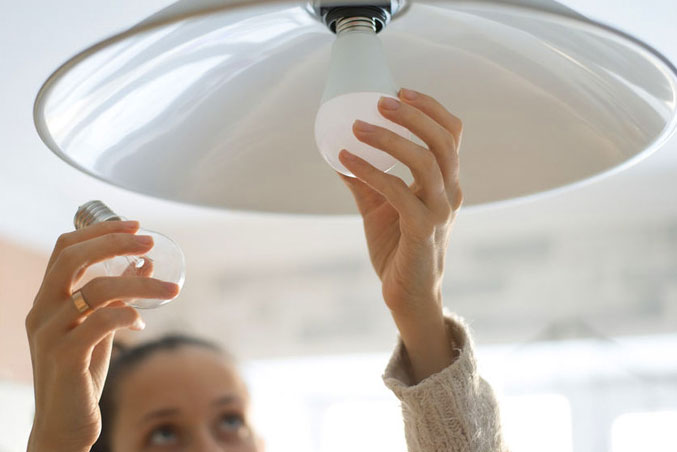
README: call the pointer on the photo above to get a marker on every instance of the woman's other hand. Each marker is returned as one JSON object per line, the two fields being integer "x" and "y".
{"x": 70, "y": 350}
{"x": 407, "y": 227}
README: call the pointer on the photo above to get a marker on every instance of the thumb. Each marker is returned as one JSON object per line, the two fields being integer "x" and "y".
{"x": 366, "y": 197}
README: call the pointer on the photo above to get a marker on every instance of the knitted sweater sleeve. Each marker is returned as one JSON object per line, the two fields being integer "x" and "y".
{"x": 451, "y": 411}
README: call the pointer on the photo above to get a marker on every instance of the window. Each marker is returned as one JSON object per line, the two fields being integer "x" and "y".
{"x": 364, "y": 425}
{"x": 538, "y": 422}
{"x": 650, "y": 431}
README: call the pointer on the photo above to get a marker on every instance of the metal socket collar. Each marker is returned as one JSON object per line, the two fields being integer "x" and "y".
{"x": 329, "y": 12}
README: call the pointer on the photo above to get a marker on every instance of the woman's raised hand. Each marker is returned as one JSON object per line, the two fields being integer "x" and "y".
{"x": 407, "y": 227}
{"x": 71, "y": 350}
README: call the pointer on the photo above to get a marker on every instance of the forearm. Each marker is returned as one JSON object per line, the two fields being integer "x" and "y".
{"x": 453, "y": 410}
{"x": 426, "y": 341}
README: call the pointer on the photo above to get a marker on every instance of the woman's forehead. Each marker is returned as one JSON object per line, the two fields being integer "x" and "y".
{"x": 188, "y": 376}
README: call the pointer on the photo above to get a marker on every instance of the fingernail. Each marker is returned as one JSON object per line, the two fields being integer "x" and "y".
{"x": 364, "y": 126}
{"x": 348, "y": 155}
{"x": 171, "y": 288}
{"x": 138, "y": 324}
{"x": 130, "y": 224}
{"x": 144, "y": 240}
{"x": 388, "y": 103}
{"x": 408, "y": 94}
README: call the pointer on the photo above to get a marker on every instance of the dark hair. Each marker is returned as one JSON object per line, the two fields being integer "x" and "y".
{"x": 125, "y": 359}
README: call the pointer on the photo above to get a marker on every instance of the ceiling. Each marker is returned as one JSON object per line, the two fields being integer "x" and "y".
{"x": 290, "y": 276}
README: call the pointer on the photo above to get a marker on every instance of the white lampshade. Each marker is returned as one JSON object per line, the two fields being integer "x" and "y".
{"x": 214, "y": 103}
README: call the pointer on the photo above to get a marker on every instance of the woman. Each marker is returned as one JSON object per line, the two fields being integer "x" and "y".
{"x": 194, "y": 390}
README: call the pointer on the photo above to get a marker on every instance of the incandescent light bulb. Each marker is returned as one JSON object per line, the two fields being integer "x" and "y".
{"x": 164, "y": 261}
{"x": 358, "y": 77}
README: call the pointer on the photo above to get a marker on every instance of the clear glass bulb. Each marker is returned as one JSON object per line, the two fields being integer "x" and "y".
{"x": 165, "y": 261}
{"x": 358, "y": 77}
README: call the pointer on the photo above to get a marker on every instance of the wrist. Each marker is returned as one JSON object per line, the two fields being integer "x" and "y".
{"x": 422, "y": 333}
{"x": 418, "y": 316}
{"x": 426, "y": 340}
{"x": 41, "y": 441}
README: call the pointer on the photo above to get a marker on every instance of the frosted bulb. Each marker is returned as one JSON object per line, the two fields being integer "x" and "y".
{"x": 358, "y": 77}
{"x": 165, "y": 261}
{"x": 334, "y": 129}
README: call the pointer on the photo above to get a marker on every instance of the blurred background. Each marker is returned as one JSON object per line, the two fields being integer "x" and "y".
{"x": 572, "y": 298}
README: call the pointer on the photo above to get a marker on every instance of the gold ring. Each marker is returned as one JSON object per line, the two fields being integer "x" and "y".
{"x": 80, "y": 303}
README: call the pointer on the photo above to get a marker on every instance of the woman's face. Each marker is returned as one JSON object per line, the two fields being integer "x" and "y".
{"x": 188, "y": 399}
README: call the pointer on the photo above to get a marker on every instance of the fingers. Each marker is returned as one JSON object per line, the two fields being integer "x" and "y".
{"x": 435, "y": 111}
{"x": 392, "y": 188}
{"x": 100, "y": 292}
{"x": 440, "y": 141}
{"x": 47, "y": 341}
{"x": 439, "y": 129}
{"x": 366, "y": 197}
{"x": 419, "y": 160}
{"x": 74, "y": 258}
{"x": 98, "y": 229}
{"x": 99, "y": 325}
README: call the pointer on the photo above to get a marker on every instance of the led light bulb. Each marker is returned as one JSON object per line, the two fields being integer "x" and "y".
{"x": 165, "y": 261}
{"x": 358, "y": 77}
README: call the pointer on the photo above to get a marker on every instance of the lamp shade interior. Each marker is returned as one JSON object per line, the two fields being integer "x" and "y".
{"x": 218, "y": 109}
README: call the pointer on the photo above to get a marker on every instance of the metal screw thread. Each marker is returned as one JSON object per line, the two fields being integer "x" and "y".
{"x": 355, "y": 24}
{"x": 93, "y": 212}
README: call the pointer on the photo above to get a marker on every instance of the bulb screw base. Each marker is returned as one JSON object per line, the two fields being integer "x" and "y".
{"x": 93, "y": 212}
{"x": 355, "y": 24}
{"x": 344, "y": 18}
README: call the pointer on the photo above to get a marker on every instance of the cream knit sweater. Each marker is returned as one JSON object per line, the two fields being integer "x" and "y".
{"x": 451, "y": 411}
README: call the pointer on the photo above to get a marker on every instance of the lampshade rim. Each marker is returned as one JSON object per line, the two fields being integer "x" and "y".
{"x": 45, "y": 135}
{"x": 474, "y": 208}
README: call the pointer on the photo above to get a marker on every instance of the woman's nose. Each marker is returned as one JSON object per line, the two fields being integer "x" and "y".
{"x": 205, "y": 441}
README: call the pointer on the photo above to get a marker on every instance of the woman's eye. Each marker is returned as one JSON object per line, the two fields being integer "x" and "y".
{"x": 163, "y": 436}
{"x": 231, "y": 422}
